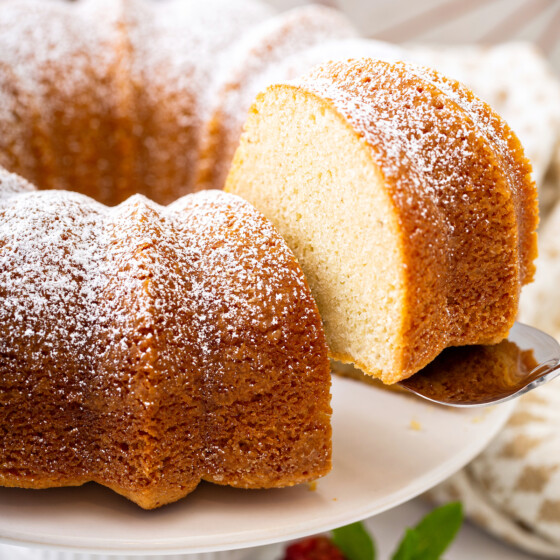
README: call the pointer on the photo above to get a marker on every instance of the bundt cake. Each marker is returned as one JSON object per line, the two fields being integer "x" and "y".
{"x": 408, "y": 203}
{"x": 148, "y": 348}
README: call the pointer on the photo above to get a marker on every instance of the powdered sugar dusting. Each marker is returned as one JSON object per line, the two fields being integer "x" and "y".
{"x": 526, "y": 94}
{"x": 231, "y": 263}
{"x": 176, "y": 53}
{"x": 12, "y": 184}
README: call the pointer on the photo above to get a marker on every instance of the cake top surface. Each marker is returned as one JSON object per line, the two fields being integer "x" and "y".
{"x": 209, "y": 267}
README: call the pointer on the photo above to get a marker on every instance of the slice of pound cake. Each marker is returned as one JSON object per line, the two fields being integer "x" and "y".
{"x": 407, "y": 201}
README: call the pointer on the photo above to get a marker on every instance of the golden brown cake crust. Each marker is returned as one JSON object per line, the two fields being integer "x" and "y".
{"x": 509, "y": 148}
{"x": 148, "y": 347}
{"x": 457, "y": 205}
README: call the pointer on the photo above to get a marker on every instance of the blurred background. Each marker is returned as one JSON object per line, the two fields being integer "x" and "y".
{"x": 454, "y": 22}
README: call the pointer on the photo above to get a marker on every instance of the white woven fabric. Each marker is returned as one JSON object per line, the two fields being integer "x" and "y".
{"x": 513, "y": 488}
{"x": 540, "y": 301}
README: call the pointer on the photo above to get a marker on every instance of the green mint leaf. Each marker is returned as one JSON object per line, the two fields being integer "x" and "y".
{"x": 432, "y": 535}
{"x": 437, "y": 531}
{"x": 354, "y": 542}
{"x": 407, "y": 546}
